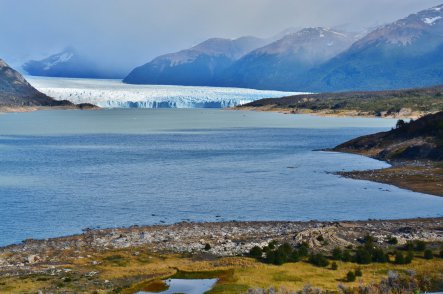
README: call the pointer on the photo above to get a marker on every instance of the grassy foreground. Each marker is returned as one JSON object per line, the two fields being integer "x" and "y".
{"x": 135, "y": 269}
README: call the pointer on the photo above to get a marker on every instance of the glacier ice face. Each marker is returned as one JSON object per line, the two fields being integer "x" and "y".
{"x": 115, "y": 94}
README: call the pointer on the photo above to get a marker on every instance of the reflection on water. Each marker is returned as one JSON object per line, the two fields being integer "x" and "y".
{"x": 196, "y": 286}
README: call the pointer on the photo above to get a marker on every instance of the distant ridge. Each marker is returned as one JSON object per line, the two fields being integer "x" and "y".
{"x": 200, "y": 65}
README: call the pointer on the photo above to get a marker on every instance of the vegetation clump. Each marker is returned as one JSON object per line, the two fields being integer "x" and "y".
{"x": 278, "y": 255}
{"x": 350, "y": 276}
{"x": 428, "y": 254}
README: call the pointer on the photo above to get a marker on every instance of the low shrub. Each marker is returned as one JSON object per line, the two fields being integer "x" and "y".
{"x": 318, "y": 260}
{"x": 350, "y": 277}
{"x": 428, "y": 254}
{"x": 256, "y": 252}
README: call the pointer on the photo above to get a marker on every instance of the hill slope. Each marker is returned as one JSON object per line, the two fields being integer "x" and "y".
{"x": 372, "y": 103}
{"x": 418, "y": 140}
{"x": 16, "y": 92}
{"x": 198, "y": 66}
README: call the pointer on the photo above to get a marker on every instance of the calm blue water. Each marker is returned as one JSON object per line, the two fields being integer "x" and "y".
{"x": 190, "y": 286}
{"x": 61, "y": 171}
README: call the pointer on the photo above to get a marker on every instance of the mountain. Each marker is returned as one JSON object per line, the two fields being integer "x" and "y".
{"x": 407, "y": 53}
{"x": 280, "y": 64}
{"x": 198, "y": 66}
{"x": 15, "y": 91}
{"x": 68, "y": 63}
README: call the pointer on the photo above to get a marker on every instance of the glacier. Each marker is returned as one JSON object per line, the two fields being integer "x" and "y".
{"x": 115, "y": 94}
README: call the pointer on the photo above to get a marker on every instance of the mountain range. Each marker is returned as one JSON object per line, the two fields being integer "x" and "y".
{"x": 404, "y": 54}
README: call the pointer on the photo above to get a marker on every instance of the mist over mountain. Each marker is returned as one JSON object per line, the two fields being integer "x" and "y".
{"x": 277, "y": 65}
{"x": 200, "y": 65}
{"x": 404, "y": 54}
{"x": 407, "y": 53}
{"x": 69, "y": 63}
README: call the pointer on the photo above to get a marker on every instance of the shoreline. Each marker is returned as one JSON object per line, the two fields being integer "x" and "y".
{"x": 424, "y": 178}
{"x": 20, "y": 109}
{"x": 330, "y": 113}
{"x": 236, "y": 237}
{"x": 131, "y": 259}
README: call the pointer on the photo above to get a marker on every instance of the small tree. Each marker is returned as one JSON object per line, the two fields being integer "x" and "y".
{"x": 256, "y": 252}
{"x": 272, "y": 244}
{"x": 399, "y": 258}
{"x": 207, "y": 247}
{"x": 428, "y": 254}
{"x": 363, "y": 256}
{"x": 409, "y": 257}
{"x": 346, "y": 257}
{"x": 350, "y": 277}
{"x": 358, "y": 272}
{"x": 303, "y": 250}
{"x": 337, "y": 253}
{"x": 378, "y": 255}
{"x": 334, "y": 266}
{"x": 392, "y": 240}
{"x": 400, "y": 124}
{"x": 420, "y": 246}
{"x": 318, "y": 260}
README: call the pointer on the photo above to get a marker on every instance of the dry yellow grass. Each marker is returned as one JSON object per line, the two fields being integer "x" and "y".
{"x": 237, "y": 274}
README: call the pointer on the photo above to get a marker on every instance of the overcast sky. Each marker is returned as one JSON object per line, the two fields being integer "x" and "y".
{"x": 131, "y": 32}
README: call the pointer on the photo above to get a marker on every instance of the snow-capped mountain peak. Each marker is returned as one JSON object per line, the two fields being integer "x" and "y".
{"x": 58, "y": 58}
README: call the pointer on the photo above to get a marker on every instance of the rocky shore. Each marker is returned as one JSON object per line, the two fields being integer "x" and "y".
{"x": 224, "y": 239}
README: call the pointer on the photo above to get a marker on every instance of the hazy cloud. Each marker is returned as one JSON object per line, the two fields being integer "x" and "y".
{"x": 125, "y": 33}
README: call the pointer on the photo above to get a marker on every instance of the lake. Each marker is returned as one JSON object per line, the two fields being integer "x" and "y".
{"x": 62, "y": 171}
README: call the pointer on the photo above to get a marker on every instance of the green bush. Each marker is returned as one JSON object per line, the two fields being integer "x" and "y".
{"x": 369, "y": 241}
{"x": 334, "y": 266}
{"x": 346, "y": 257}
{"x": 337, "y": 254}
{"x": 207, "y": 247}
{"x": 409, "y": 257}
{"x": 363, "y": 256}
{"x": 441, "y": 253}
{"x": 256, "y": 252}
{"x": 378, "y": 255}
{"x": 272, "y": 244}
{"x": 280, "y": 255}
{"x": 303, "y": 250}
{"x": 318, "y": 260}
{"x": 409, "y": 246}
{"x": 420, "y": 246}
{"x": 399, "y": 258}
{"x": 392, "y": 240}
{"x": 428, "y": 254}
{"x": 358, "y": 272}
{"x": 350, "y": 277}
